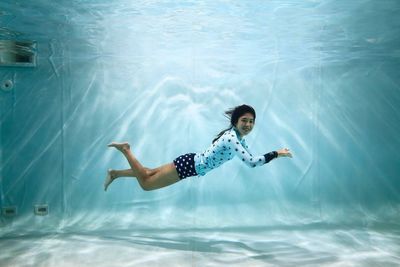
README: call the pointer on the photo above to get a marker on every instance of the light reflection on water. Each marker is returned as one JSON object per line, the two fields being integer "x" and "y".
{"x": 156, "y": 75}
{"x": 257, "y": 246}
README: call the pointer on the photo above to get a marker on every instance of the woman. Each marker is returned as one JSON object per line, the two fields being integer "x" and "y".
{"x": 225, "y": 146}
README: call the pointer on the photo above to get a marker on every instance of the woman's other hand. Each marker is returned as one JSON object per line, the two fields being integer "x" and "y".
{"x": 284, "y": 152}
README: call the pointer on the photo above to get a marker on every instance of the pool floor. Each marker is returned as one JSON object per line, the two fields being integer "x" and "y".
{"x": 257, "y": 246}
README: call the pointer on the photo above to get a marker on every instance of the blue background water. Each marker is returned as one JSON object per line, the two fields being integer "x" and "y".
{"x": 323, "y": 77}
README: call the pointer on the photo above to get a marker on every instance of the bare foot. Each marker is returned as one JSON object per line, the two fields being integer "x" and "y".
{"x": 120, "y": 146}
{"x": 109, "y": 178}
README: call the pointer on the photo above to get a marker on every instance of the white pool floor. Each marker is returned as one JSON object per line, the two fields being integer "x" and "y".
{"x": 258, "y": 246}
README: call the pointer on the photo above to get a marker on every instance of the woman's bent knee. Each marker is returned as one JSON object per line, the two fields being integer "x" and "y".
{"x": 160, "y": 177}
{"x": 147, "y": 186}
{"x": 144, "y": 183}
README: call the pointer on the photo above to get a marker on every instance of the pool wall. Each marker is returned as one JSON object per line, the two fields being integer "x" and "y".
{"x": 323, "y": 77}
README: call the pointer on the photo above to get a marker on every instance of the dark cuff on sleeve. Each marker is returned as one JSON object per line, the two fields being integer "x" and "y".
{"x": 270, "y": 156}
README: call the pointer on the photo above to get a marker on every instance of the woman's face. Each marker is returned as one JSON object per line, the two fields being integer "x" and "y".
{"x": 245, "y": 124}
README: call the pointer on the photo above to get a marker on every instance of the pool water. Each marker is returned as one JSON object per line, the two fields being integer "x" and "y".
{"x": 323, "y": 77}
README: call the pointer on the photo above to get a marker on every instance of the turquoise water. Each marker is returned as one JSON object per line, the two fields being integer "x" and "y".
{"x": 323, "y": 77}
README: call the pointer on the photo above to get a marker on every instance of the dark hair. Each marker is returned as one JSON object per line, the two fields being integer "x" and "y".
{"x": 234, "y": 114}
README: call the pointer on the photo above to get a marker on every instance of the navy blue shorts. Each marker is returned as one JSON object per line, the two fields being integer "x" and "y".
{"x": 185, "y": 165}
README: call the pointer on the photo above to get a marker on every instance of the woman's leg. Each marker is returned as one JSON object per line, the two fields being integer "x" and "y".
{"x": 122, "y": 173}
{"x": 126, "y": 173}
{"x": 149, "y": 179}
{"x": 114, "y": 174}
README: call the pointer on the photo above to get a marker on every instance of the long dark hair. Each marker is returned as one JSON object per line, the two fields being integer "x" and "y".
{"x": 233, "y": 115}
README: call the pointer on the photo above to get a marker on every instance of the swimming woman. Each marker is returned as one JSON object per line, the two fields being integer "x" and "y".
{"x": 228, "y": 144}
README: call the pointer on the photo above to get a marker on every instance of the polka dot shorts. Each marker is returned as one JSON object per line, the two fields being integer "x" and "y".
{"x": 185, "y": 165}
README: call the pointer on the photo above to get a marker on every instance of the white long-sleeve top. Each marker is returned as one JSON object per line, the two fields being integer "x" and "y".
{"x": 225, "y": 148}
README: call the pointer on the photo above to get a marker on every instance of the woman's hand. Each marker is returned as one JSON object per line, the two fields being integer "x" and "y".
{"x": 284, "y": 152}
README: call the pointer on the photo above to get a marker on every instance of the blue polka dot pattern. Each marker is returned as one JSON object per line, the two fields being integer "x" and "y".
{"x": 185, "y": 166}
{"x": 230, "y": 142}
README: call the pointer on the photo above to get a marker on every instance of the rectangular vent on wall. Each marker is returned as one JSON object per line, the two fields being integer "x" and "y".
{"x": 17, "y": 53}
{"x": 41, "y": 209}
{"x": 9, "y": 211}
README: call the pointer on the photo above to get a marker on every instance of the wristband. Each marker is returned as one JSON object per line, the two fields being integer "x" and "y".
{"x": 270, "y": 156}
